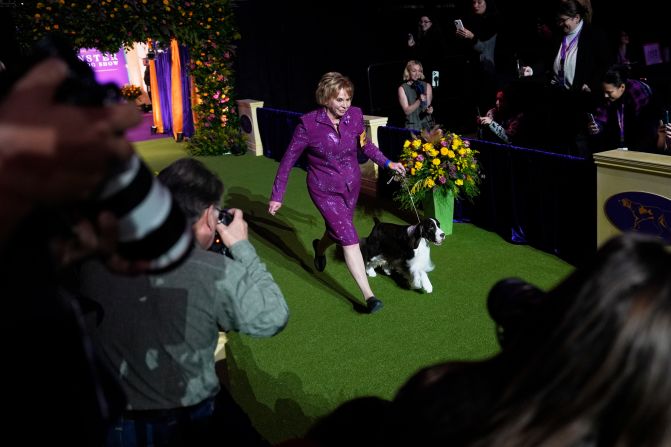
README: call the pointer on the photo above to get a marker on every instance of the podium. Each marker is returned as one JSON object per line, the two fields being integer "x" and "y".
{"x": 633, "y": 194}
{"x": 369, "y": 170}
{"x": 250, "y": 124}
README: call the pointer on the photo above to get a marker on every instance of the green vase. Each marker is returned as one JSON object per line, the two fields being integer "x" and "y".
{"x": 440, "y": 206}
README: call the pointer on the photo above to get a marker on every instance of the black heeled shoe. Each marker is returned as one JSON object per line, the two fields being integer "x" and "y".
{"x": 320, "y": 261}
{"x": 373, "y": 304}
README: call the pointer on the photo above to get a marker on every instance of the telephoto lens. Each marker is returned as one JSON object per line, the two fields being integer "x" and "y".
{"x": 152, "y": 227}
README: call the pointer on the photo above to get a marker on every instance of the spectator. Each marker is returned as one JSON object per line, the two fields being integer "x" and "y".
{"x": 428, "y": 45}
{"x": 574, "y": 75}
{"x": 416, "y": 98}
{"x": 626, "y": 117}
{"x": 158, "y": 333}
{"x": 479, "y": 33}
{"x": 626, "y": 52}
{"x": 501, "y": 122}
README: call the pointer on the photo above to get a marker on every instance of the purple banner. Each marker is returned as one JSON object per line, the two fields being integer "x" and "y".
{"x": 107, "y": 67}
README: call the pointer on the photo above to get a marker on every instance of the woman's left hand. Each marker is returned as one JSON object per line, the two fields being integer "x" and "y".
{"x": 398, "y": 167}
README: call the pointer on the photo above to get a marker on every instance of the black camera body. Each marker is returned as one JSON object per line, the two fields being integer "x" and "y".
{"x": 151, "y": 226}
{"x": 225, "y": 217}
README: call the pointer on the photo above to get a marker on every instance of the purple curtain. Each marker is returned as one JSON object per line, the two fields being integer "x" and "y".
{"x": 185, "y": 62}
{"x": 163, "y": 77}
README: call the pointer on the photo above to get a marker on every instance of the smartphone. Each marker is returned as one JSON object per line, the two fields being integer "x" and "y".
{"x": 459, "y": 24}
{"x": 435, "y": 78}
{"x": 666, "y": 117}
{"x": 591, "y": 119}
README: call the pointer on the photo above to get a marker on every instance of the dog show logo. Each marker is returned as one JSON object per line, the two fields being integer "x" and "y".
{"x": 640, "y": 212}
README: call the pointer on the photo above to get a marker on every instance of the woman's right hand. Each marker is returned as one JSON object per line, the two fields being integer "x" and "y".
{"x": 274, "y": 207}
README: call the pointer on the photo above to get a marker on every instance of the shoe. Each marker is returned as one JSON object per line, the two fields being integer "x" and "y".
{"x": 320, "y": 261}
{"x": 373, "y": 304}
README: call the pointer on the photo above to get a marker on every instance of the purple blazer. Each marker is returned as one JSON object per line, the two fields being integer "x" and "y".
{"x": 332, "y": 158}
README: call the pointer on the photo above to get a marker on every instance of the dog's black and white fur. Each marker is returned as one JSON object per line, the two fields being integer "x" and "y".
{"x": 404, "y": 249}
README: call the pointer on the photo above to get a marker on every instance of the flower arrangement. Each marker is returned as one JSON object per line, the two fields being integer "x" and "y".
{"x": 130, "y": 92}
{"x": 438, "y": 162}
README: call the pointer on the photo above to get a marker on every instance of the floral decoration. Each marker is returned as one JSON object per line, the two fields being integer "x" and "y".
{"x": 131, "y": 92}
{"x": 206, "y": 28}
{"x": 438, "y": 162}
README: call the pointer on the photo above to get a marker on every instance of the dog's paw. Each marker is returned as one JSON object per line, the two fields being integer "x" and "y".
{"x": 371, "y": 272}
{"x": 428, "y": 288}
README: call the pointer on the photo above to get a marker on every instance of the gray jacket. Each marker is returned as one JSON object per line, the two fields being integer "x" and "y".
{"x": 158, "y": 333}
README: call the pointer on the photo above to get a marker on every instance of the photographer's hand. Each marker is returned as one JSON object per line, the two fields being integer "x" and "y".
{"x": 235, "y": 231}
{"x": 54, "y": 153}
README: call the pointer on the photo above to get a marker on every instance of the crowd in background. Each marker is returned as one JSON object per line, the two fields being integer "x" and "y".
{"x": 555, "y": 75}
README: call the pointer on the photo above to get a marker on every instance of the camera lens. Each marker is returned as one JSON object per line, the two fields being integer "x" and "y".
{"x": 152, "y": 227}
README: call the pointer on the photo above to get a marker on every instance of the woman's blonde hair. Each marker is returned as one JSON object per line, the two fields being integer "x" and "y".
{"x": 329, "y": 86}
{"x": 406, "y": 71}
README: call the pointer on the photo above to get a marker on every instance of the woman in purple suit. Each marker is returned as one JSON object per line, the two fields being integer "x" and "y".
{"x": 332, "y": 136}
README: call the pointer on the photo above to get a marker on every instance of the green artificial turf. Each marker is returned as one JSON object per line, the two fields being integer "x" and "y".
{"x": 330, "y": 352}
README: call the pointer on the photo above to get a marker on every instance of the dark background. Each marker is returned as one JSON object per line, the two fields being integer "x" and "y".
{"x": 287, "y": 45}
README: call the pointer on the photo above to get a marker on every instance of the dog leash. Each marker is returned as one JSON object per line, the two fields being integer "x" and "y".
{"x": 412, "y": 201}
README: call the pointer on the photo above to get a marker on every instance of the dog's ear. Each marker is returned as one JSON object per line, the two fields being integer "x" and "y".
{"x": 416, "y": 236}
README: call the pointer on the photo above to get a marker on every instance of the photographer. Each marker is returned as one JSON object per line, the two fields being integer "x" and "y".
{"x": 415, "y": 97}
{"x": 177, "y": 317}
{"x": 51, "y": 157}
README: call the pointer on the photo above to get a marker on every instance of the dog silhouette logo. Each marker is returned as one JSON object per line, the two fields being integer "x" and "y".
{"x": 642, "y": 212}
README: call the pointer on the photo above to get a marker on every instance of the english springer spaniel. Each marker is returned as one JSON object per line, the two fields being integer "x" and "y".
{"x": 403, "y": 249}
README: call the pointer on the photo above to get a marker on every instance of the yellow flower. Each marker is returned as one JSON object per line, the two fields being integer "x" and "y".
{"x": 450, "y": 154}
{"x": 412, "y": 171}
{"x": 416, "y": 144}
{"x": 462, "y": 151}
{"x": 430, "y": 183}
{"x": 418, "y": 165}
{"x": 413, "y": 154}
{"x": 406, "y": 144}
{"x": 458, "y": 182}
{"x": 443, "y": 151}
{"x": 436, "y": 161}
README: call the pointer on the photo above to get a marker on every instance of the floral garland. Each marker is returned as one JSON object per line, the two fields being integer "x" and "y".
{"x": 438, "y": 162}
{"x": 207, "y": 28}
